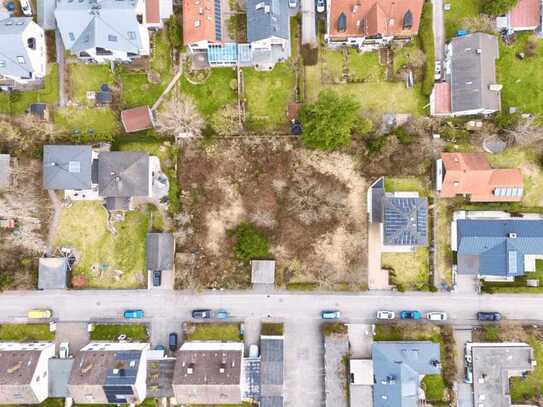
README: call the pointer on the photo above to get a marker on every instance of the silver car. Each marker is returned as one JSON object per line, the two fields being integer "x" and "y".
{"x": 386, "y": 315}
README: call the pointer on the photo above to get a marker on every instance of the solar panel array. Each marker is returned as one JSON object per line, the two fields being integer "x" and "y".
{"x": 218, "y": 26}
{"x": 252, "y": 375}
{"x": 112, "y": 393}
{"x": 405, "y": 222}
{"x": 508, "y": 191}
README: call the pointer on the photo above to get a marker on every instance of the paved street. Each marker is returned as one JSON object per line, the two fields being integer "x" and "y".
{"x": 165, "y": 310}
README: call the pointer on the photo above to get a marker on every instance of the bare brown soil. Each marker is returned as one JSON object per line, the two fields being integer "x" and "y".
{"x": 310, "y": 205}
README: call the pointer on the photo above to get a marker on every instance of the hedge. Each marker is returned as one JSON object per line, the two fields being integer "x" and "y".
{"x": 426, "y": 38}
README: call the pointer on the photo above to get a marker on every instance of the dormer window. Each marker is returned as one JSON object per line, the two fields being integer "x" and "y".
{"x": 407, "y": 23}
{"x": 342, "y": 23}
{"x": 139, "y": 18}
{"x": 20, "y": 60}
{"x": 31, "y": 42}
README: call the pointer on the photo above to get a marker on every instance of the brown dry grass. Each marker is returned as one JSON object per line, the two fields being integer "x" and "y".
{"x": 310, "y": 205}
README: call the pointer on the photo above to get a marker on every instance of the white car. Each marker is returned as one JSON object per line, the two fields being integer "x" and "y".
{"x": 321, "y": 7}
{"x": 437, "y": 71}
{"x": 26, "y": 8}
{"x": 64, "y": 350}
{"x": 436, "y": 316}
{"x": 292, "y": 3}
{"x": 386, "y": 315}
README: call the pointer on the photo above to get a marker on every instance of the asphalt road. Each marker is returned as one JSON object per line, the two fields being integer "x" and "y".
{"x": 165, "y": 310}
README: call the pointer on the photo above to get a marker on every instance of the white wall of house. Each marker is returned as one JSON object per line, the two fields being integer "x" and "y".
{"x": 267, "y": 43}
{"x": 40, "y": 379}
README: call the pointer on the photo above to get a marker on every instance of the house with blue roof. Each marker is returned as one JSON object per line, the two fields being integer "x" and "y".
{"x": 398, "y": 369}
{"x": 498, "y": 249}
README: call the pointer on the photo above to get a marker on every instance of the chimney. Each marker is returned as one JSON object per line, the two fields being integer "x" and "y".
{"x": 222, "y": 368}
{"x": 512, "y": 235}
{"x": 190, "y": 369}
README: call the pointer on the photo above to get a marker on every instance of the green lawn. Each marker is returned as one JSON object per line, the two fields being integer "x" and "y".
{"x": 530, "y": 389}
{"x": 161, "y": 60}
{"x": 405, "y": 184}
{"x": 434, "y": 387}
{"x": 519, "y": 285}
{"x": 364, "y": 66}
{"x": 88, "y": 123}
{"x": 164, "y": 150}
{"x": 213, "y": 332}
{"x": 410, "y": 270}
{"x": 106, "y": 261}
{"x": 110, "y": 332}
{"x": 217, "y": 91}
{"x": 271, "y": 329}
{"x": 460, "y": 9}
{"x": 268, "y": 94}
{"x": 26, "y": 332}
{"x": 87, "y": 77}
{"x": 20, "y": 101}
{"x": 332, "y": 62}
{"x": 521, "y": 79}
{"x": 137, "y": 91}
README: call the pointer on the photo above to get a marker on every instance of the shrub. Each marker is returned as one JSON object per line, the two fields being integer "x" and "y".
{"x": 426, "y": 37}
{"x": 328, "y": 329}
{"x": 174, "y": 32}
{"x": 507, "y": 121}
{"x": 403, "y": 136}
{"x": 531, "y": 46}
{"x": 434, "y": 387}
{"x": 376, "y": 144}
{"x": 250, "y": 243}
{"x": 497, "y": 7}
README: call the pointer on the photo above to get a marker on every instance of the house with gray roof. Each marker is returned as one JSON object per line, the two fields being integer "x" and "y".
{"x": 160, "y": 251}
{"x": 67, "y": 167}
{"x": 497, "y": 249}
{"x": 471, "y": 87}
{"x": 53, "y": 273}
{"x": 271, "y": 371}
{"x": 398, "y": 369}
{"x": 23, "y": 55}
{"x": 268, "y": 32}
{"x": 403, "y": 217}
{"x": 106, "y": 30}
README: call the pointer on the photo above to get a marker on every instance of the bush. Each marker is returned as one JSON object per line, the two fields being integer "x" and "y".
{"x": 328, "y": 329}
{"x": 507, "y": 121}
{"x": 310, "y": 55}
{"x": 271, "y": 329}
{"x": 174, "y": 32}
{"x": 426, "y": 38}
{"x": 497, "y": 7}
{"x": 250, "y": 243}
{"x": 434, "y": 387}
{"x": 376, "y": 144}
{"x": 403, "y": 136}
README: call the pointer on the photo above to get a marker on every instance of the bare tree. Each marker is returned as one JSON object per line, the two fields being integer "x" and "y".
{"x": 180, "y": 117}
{"x": 40, "y": 131}
{"x": 481, "y": 22}
{"x": 525, "y": 133}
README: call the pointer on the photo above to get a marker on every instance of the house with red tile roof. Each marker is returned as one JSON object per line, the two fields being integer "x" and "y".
{"x": 524, "y": 16}
{"x": 470, "y": 174}
{"x": 371, "y": 22}
{"x": 202, "y": 24}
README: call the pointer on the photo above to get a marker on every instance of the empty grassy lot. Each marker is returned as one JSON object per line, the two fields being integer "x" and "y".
{"x": 409, "y": 270}
{"x": 88, "y": 123}
{"x": 26, "y": 332}
{"x": 217, "y": 91}
{"x": 521, "y": 79}
{"x": 110, "y": 332}
{"x": 460, "y": 9}
{"x": 213, "y": 332}
{"x": 267, "y": 95}
{"x": 104, "y": 260}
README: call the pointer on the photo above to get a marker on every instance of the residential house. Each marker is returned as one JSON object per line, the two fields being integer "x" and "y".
{"x": 202, "y": 24}
{"x": 524, "y": 16}
{"x": 470, "y": 174}
{"x": 53, "y": 273}
{"x": 272, "y": 371}
{"x": 491, "y": 367}
{"x": 470, "y": 86}
{"x": 402, "y": 216}
{"x": 209, "y": 373}
{"x": 24, "y": 371}
{"x": 160, "y": 255}
{"x": 109, "y": 30}
{"x": 59, "y": 375}
{"x": 398, "y": 369}
{"x": 370, "y": 24}
{"x": 496, "y": 246}
{"x": 268, "y": 32}
{"x": 23, "y": 55}
{"x": 137, "y": 119}
{"x": 116, "y": 177}
{"x": 109, "y": 373}
{"x": 361, "y": 382}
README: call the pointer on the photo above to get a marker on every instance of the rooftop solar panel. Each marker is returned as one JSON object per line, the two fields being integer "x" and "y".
{"x": 405, "y": 221}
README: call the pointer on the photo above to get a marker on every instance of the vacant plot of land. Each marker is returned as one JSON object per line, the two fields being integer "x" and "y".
{"x": 111, "y": 332}
{"x": 521, "y": 79}
{"x": 217, "y": 91}
{"x": 213, "y": 332}
{"x": 409, "y": 270}
{"x": 308, "y": 204}
{"x": 267, "y": 95}
{"x": 460, "y": 9}
{"x": 26, "y": 332}
{"x": 19, "y": 102}
{"x": 105, "y": 260}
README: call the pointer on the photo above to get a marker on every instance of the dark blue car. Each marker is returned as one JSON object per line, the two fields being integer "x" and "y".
{"x": 410, "y": 315}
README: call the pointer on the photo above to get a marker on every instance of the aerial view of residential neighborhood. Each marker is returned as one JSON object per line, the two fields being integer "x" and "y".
{"x": 271, "y": 203}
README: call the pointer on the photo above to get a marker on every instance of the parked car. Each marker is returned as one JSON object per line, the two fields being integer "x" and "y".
{"x": 159, "y": 347}
{"x": 26, "y": 8}
{"x": 321, "y": 6}
{"x": 157, "y": 278}
{"x": 40, "y": 313}
{"x": 410, "y": 315}
{"x": 437, "y": 71}
{"x": 221, "y": 314}
{"x": 292, "y": 3}
{"x": 201, "y": 314}
{"x": 64, "y": 350}
{"x": 489, "y": 316}
{"x": 172, "y": 341}
{"x": 330, "y": 315}
{"x": 133, "y": 314}
{"x": 436, "y": 316}
{"x": 385, "y": 315}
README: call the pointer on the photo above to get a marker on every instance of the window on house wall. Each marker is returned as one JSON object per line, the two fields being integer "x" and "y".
{"x": 112, "y": 38}
{"x": 2, "y": 64}
{"x": 131, "y": 35}
{"x": 20, "y": 60}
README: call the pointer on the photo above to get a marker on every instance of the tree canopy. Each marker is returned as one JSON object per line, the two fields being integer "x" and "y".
{"x": 329, "y": 122}
{"x": 497, "y": 7}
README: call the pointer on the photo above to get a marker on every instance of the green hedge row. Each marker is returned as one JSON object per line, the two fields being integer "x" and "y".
{"x": 426, "y": 37}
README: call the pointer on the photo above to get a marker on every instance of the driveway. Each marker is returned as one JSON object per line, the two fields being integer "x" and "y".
{"x": 360, "y": 340}
{"x": 464, "y": 391}
{"x": 75, "y": 333}
{"x": 466, "y": 284}
{"x": 309, "y": 28}
{"x": 439, "y": 29}
{"x": 59, "y": 45}
{"x": 377, "y": 277}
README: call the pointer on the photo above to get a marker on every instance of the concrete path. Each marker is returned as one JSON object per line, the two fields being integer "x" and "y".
{"x": 61, "y": 69}
{"x": 53, "y": 224}
{"x": 75, "y": 333}
{"x": 309, "y": 24}
{"x": 377, "y": 277}
{"x": 439, "y": 29}
{"x": 361, "y": 340}
{"x": 168, "y": 88}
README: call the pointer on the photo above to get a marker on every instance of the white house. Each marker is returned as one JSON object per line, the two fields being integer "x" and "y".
{"x": 23, "y": 56}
